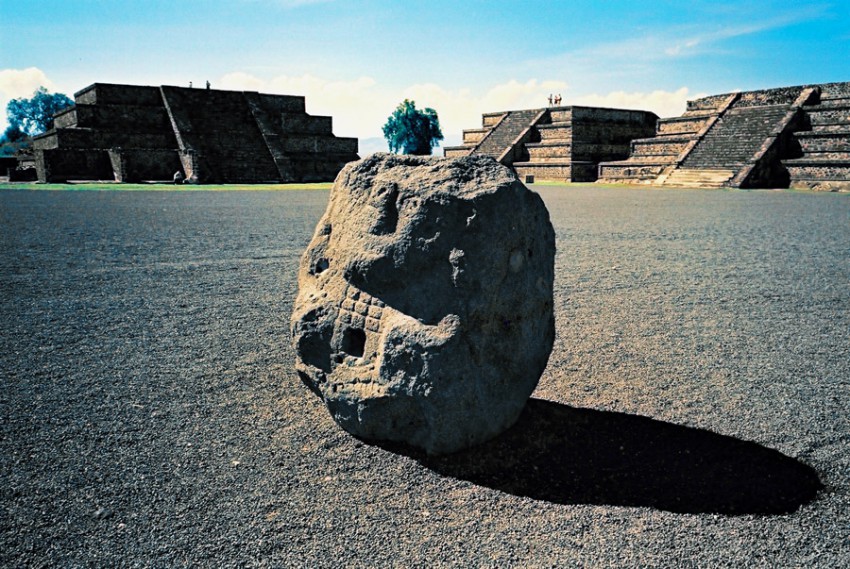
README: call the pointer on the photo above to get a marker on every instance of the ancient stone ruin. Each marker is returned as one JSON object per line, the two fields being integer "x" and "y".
{"x": 424, "y": 313}
{"x": 131, "y": 133}
{"x": 556, "y": 143}
{"x": 775, "y": 138}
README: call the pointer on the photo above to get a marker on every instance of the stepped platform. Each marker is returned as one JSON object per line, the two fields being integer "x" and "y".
{"x": 822, "y": 157}
{"x": 556, "y": 143}
{"x": 132, "y": 133}
{"x": 790, "y": 136}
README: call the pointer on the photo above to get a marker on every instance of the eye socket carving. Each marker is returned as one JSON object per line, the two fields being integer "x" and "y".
{"x": 354, "y": 342}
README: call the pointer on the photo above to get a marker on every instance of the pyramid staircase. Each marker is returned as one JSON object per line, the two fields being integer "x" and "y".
{"x": 220, "y": 128}
{"x": 797, "y": 136}
{"x": 675, "y": 138}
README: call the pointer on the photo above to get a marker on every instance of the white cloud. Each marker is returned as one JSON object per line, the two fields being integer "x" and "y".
{"x": 239, "y": 81}
{"x": 662, "y": 103}
{"x": 15, "y": 83}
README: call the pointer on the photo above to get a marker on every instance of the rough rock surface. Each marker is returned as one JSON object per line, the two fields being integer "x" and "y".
{"x": 424, "y": 312}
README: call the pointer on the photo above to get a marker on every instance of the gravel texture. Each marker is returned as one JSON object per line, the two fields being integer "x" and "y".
{"x": 697, "y": 391}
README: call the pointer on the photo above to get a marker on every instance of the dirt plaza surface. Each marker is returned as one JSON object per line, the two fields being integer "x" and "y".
{"x": 695, "y": 411}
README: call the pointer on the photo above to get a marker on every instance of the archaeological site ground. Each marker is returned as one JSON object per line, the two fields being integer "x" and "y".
{"x": 695, "y": 398}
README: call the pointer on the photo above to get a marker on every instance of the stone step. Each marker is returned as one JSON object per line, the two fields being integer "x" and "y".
{"x": 714, "y": 178}
{"x": 829, "y": 116}
{"x": 823, "y": 142}
{"x": 826, "y": 155}
{"x": 659, "y": 146}
{"x": 830, "y": 129}
{"x": 554, "y": 132}
{"x": 681, "y": 126}
{"x": 548, "y": 151}
{"x": 474, "y": 136}
{"x": 809, "y": 169}
{"x": 565, "y": 171}
{"x": 837, "y": 102}
{"x": 457, "y": 151}
{"x": 630, "y": 172}
{"x": 643, "y": 161}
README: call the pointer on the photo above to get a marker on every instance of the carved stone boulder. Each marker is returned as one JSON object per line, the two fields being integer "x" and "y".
{"x": 424, "y": 313}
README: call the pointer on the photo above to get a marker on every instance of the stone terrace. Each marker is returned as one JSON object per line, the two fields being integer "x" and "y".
{"x": 556, "y": 143}
{"x": 131, "y": 133}
{"x": 797, "y": 136}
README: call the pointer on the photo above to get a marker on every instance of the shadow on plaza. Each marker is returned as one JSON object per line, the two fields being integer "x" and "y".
{"x": 568, "y": 455}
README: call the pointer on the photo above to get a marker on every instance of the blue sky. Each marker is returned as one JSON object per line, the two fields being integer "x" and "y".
{"x": 356, "y": 60}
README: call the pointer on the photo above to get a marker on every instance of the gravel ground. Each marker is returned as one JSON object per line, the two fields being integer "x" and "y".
{"x": 695, "y": 401}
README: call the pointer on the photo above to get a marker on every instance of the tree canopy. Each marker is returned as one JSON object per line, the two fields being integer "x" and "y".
{"x": 411, "y": 130}
{"x": 34, "y": 116}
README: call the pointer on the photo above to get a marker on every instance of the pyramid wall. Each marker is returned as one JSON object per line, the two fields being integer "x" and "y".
{"x": 130, "y": 133}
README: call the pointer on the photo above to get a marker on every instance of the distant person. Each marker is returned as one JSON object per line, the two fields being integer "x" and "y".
{"x": 550, "y": 99}
{"x": 190, "y": 84}
{"x": 178, "y": 177}
{"x": 558, "y": 100}
{"x": 208, "y": 85}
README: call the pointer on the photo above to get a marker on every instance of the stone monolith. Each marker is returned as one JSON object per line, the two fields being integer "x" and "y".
{"x": 424, "y": 312}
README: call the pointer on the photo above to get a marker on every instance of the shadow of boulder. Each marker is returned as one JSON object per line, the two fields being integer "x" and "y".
{"x": 567, "y": 455}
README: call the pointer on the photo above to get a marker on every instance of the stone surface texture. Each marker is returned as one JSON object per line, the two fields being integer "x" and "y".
{"x": 424, "y": 312}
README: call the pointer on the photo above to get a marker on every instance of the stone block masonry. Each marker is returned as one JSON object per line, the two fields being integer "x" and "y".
{"x": 556, "y": 143}
{"x": 773, "y": 138}
{"x": 132, "y": 133}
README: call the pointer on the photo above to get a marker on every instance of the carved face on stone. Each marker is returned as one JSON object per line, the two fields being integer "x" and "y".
{"x": 424, "y": 312}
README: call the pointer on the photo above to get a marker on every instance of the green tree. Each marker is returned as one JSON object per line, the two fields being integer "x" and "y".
{"x": 35, "y": 116}
{"x": 12, "y": 140}
{"x": 412, "y": 131}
